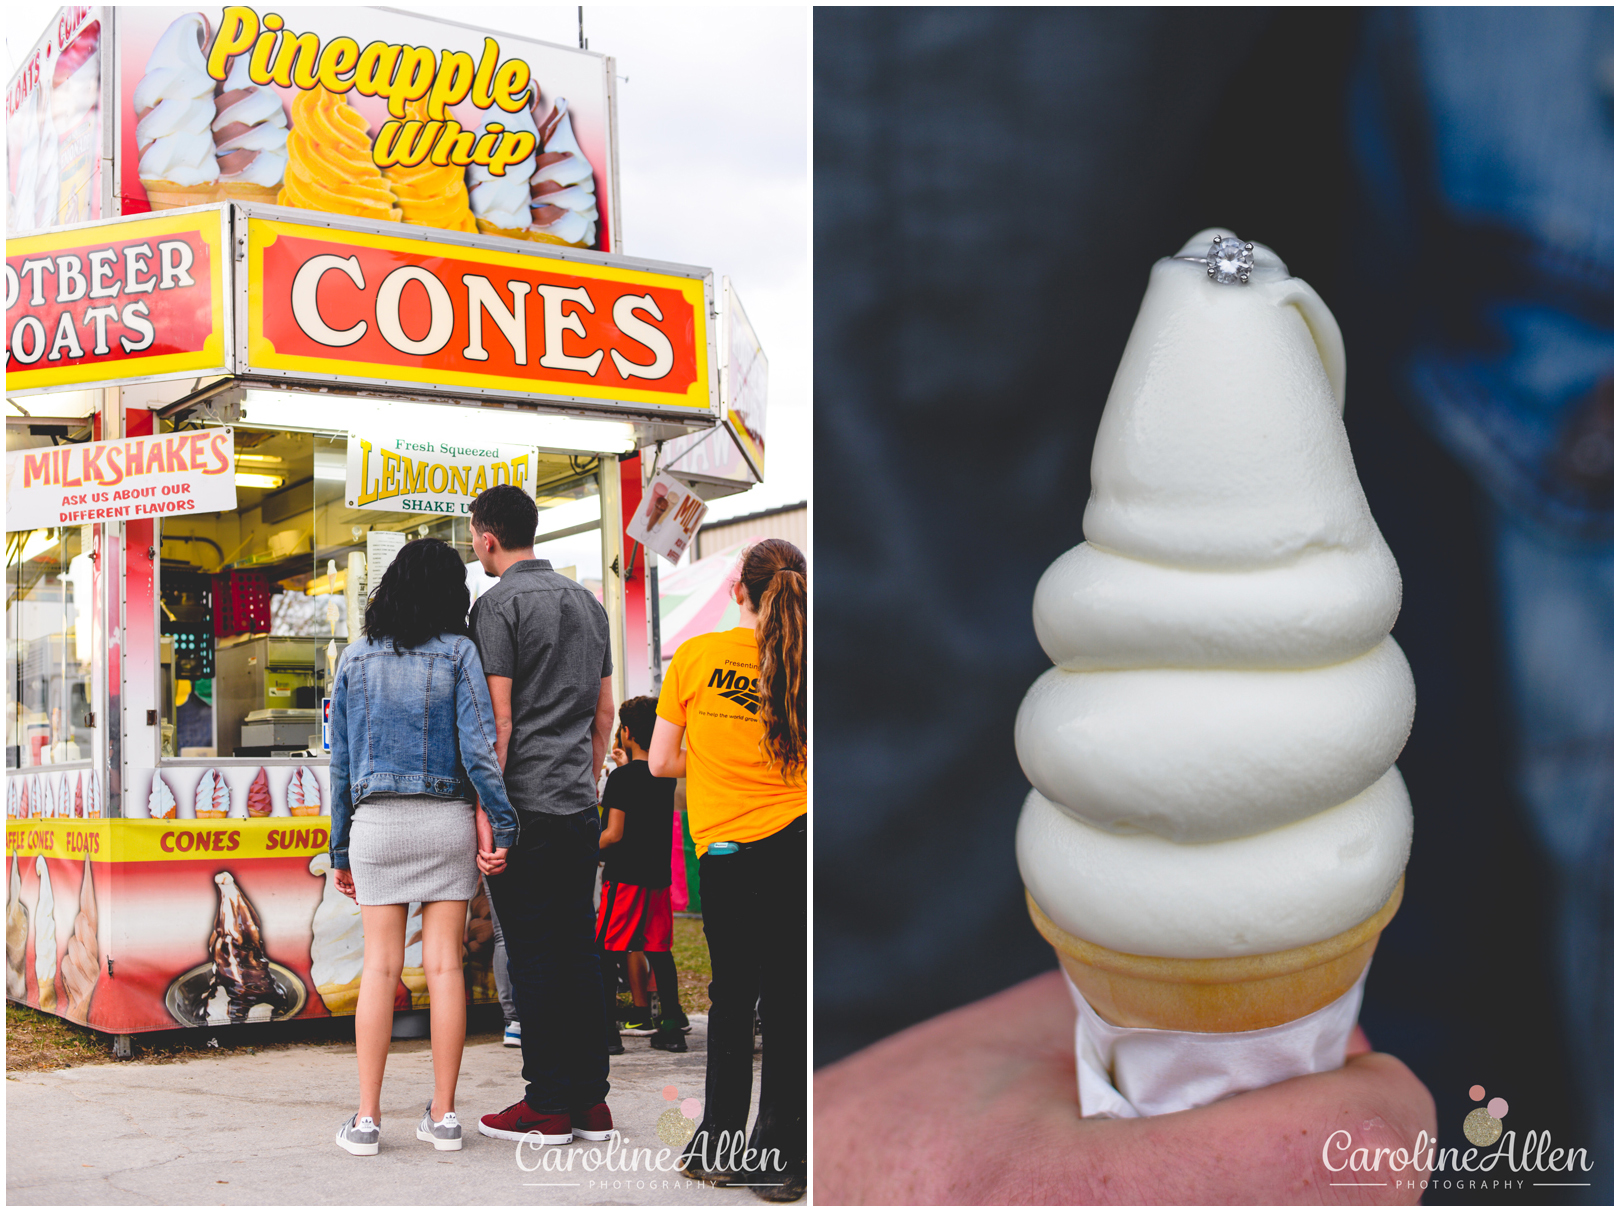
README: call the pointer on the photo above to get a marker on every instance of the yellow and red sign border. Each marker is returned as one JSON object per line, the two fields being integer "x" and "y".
{"x": 259, "y": 354}
{"x": 212, "y": 225}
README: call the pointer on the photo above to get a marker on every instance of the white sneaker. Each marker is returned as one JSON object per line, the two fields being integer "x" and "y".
{"x": 513, "y": 1038}
{"x": 359, "y": 1135}
{"x": 446, "y": 1134}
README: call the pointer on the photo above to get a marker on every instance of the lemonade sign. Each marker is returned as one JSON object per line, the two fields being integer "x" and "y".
{"x": 422, "y": 475}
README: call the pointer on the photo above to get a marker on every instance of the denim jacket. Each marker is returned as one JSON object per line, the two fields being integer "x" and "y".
{"x": 414, "y": 721}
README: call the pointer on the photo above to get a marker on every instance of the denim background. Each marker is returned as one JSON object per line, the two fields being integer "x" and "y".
{"x": 991, "y": 188}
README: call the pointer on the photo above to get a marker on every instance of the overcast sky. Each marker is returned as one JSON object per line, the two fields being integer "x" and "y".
{"x": 714, "y": 169}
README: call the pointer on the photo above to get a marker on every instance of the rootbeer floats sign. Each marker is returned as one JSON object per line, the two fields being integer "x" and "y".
{"x": 413, "y": 475}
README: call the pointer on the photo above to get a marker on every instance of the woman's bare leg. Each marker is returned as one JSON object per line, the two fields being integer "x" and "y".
{"x": 384, "y": 927}
{"x": 443, "y": 925}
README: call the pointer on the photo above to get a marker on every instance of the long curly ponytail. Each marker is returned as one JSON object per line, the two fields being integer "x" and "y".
{"x": 773, "y": 573}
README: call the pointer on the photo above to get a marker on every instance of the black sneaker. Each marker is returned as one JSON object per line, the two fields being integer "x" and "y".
{"x": 615, "y": 1046}
{"x": 676, "y": 1022}
{"x": 638, "y": 1023}
{"x": 667, "y": 1039}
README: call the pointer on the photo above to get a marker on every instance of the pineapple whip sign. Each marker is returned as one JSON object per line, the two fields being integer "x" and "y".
{"x": 406, "y": 475}
{"x": 398, "y": 73}
{"x": 157, "y": 476}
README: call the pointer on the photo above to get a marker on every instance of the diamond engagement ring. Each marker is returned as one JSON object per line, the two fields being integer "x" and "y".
{"x": 1228, "y": 260}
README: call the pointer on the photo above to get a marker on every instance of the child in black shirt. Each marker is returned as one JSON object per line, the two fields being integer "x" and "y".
{"x": 636, "y": 841}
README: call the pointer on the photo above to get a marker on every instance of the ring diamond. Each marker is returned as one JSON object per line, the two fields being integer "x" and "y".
{"x": 1230, "y": 260}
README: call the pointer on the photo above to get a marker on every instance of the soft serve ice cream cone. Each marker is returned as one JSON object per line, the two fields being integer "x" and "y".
{"x": 337, "y": 948}
{"x": 174, "y": 109}
{"x": 1217, "y": 833}
{"x": 250, "y": 137}
{"x": 303, "y": 793}
{"x": 329, "y": 164}
{"x": 81, "y": 966}
{"x": 430, "y": 195}
{"x": 45, "y": 937}
{"x": 212, "y": 800}
{"x": 500, "y": 205}
{"x": 16, "y": 938}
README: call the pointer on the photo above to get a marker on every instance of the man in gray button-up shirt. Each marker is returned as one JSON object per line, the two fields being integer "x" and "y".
{"x": 543, "y": 641}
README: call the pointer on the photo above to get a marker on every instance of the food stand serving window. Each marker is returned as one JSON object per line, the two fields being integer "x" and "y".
{"x": 48, "y": 646}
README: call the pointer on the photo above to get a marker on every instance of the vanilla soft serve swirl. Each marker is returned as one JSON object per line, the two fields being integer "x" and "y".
{"x": 1213, "y": 755}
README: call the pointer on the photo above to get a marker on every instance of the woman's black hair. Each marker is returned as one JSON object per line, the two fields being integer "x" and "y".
{"x": 423, "y": 594}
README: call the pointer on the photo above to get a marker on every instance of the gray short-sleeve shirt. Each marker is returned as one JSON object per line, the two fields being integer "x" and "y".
{"x": 550, "y": 636}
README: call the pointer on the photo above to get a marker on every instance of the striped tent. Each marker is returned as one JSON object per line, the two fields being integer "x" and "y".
{"x": 695, "y": 598}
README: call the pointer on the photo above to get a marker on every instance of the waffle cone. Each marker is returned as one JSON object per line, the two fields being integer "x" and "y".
{"x": 245, "y": 191}
{"x": 340, "y": 999}
{"x": 304, "y": 809}
{"x": 1239, "y": 993}
{"x": 167, "y": 195}
{"x": 512, "y": 233}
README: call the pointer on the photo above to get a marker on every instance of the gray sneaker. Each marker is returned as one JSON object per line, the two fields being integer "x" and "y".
{"x": 446, "y": 1134}
{"x": 359, "y": 1135}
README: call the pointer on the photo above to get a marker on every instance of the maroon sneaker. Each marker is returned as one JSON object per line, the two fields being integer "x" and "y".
{"x": 520, "y": 1122}
{"x": 594, "y": 1124}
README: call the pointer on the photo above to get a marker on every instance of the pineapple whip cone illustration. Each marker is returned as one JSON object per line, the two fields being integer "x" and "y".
{"x": 250, "y": 137}
{"x": 81, "y": 967}
{"x": 329, "y": 165}
{"x": 337, "y": 948}
{"x": 45, "y": 937}
{"x": 550, "y": 197}
{"x": 429, "y": 195}
{"x": 1217, "y": 833}
{"x": 16, "y": 938}
{"x": 174, "y": 113}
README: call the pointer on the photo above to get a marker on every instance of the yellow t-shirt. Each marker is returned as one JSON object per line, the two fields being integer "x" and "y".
{"x": 733, "y": 794}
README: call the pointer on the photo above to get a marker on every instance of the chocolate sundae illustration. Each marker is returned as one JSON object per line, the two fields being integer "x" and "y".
{"x": 45, "y": 937}
{"x": 16, "y": 938}
{"x": 81, "y": 966}
{"x": 241, "y": 982}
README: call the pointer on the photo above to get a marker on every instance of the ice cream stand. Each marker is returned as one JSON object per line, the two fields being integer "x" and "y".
{"x": 229, "y": 405}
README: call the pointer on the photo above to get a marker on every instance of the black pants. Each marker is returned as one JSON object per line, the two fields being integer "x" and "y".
{"x": 755, "y": 910}
{"x": 543, "y": 899}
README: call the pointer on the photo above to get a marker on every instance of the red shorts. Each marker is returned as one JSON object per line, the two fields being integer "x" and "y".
{"x": 634, "y": 918}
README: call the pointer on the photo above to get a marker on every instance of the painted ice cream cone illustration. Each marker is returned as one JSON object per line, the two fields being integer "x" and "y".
{"x": 13, "y": 796}
{"x": 428, "y": 195}
{"x": 160, "y": 804}
{"x": 174, "y": 111}
{"x": 329, "y": 165}
{"x": 1217, "y": 833}
{"x": 45, "y": 937}
{"x": 337, "y": 945}
{"x": 258, "y": 794}
{"x": 242, "y": 986}
{"x": 92, "y": 797}
{"x": 303, "y": 793}
{"x": 78, "y": 797}
{"x": 250, "y": 137}
{"x": 562, "y": 188}
{"x": 81, "y": 966}
{"x": 45, "y": 798}
{"x": 414, "y": 974}
{"x": 501, "y": 204}
{"x": 213, "y": 798}
{"x": 16, "y": 938}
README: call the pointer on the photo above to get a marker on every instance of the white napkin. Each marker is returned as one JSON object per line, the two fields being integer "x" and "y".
{"x": 1128, "y": 1072}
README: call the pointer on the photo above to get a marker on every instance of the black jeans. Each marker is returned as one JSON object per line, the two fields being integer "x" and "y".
{"x": 755, "y": 910}
{"x": 543, "y": 899}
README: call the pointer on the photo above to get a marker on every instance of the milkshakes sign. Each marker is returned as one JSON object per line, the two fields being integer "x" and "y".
{"x": 158, "y": 476}
{"x": 405, "y": 475}
{"x": 328, "y": 303}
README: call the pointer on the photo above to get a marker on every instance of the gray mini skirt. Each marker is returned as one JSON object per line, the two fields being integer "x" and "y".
{"x": 405, "y": 848}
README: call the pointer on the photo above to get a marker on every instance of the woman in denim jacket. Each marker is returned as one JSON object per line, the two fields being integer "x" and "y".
{"x": 413, "y": 743}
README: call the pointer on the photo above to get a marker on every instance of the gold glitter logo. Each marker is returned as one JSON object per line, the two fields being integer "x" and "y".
{"x": 1483, "y": 1125}
{"x": 678, "y": 1124}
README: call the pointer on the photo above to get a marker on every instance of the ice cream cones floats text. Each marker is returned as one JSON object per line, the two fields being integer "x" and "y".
{"x": 404, "y": 309}
{"x": 396, "y": 72}
{"x": 136, "y": 841}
